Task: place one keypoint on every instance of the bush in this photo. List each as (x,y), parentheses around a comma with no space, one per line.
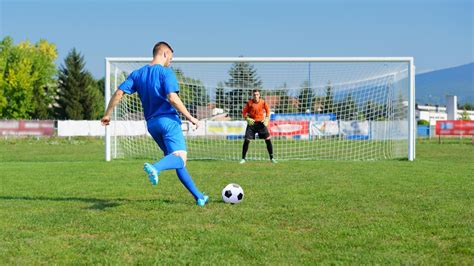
(423,122)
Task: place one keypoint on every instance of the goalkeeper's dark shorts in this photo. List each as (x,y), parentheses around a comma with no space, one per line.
(259,128)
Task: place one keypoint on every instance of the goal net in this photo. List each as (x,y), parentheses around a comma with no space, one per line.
(321,108)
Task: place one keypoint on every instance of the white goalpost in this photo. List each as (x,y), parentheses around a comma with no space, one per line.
(338,108)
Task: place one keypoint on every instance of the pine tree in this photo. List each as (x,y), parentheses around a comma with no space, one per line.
(79,95)
(243,78)
(243,75)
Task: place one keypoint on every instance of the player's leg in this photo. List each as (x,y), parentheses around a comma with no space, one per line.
(245,148)
(175,142)
(160,129)
(188,182)
(249,134)
(156,127)
(149,168)
(268,141)
(265,134)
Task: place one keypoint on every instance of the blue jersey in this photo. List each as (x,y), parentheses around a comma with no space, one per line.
(153,83)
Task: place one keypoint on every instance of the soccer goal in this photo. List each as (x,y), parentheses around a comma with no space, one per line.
(321,108)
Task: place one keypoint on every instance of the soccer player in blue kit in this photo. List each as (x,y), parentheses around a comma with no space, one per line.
(158,90)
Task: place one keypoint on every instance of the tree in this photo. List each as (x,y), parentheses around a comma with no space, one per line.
(79,95)
(423,122)
(318,104)
(305,98)
(101,86)
(465,116)
(328,105)
(347,109)
(374,111)
(192,92)
(27,83)
(220,97)
(243,75)
(45,85)
(6,46)
(235,101)
(287,105)
(243,78)
(466,106)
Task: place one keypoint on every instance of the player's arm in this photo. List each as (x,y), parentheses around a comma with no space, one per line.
(112,103)
(245,111)
(171,89)
(125,87)
(267,114)
(245,114)
(174,99)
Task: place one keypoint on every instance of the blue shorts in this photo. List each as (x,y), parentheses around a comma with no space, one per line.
(166,131)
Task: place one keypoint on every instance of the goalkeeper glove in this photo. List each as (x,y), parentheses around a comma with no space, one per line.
(265,121)
(250,121)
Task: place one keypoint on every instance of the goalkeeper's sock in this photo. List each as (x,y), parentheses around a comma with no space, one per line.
(269,148)
(245,148)
(187,181)
(170,161)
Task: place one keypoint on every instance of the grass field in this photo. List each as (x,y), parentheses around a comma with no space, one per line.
(61,203)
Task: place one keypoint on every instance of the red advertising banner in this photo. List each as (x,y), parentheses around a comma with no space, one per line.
(288,128)
(454,127)
(26,127)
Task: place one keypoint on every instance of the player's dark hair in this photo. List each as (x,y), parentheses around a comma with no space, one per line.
(160,45)
(255,90)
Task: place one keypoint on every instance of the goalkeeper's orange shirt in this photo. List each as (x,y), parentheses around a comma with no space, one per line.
(255,110)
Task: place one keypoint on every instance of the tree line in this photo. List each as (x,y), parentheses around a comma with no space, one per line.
(32,87)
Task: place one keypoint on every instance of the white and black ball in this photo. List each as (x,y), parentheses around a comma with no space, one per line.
(232,193)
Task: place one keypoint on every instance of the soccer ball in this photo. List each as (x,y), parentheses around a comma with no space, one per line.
(232,193)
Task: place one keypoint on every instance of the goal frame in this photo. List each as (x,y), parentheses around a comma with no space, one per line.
(409,60)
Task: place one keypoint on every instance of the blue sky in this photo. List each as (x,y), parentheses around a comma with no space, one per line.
(438,33)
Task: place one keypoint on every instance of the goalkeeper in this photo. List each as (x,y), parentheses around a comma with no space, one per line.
(257,121)
(158,89)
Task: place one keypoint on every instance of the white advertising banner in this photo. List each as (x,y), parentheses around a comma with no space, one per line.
(95,128)
(80,128)
(323,128)
(354,128)
(382,130)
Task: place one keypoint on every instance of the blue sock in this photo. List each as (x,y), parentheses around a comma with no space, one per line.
(169,162)
(187,181)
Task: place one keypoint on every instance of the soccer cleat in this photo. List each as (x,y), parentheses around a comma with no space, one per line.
(242,161)
(152,173)
(203,201)
(274,161)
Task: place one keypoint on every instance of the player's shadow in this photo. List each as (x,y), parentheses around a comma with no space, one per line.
(97,204)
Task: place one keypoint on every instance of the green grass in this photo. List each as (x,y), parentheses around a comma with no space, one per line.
(60,203)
